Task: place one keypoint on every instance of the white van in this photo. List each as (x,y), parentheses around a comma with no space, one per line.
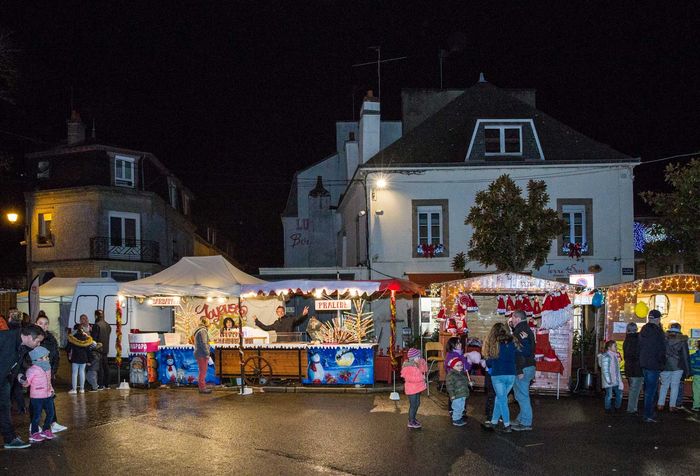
(90,296)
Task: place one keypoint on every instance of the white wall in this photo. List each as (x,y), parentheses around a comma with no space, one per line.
(609,187)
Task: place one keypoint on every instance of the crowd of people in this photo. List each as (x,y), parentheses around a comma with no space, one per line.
(30,358)
(655,361)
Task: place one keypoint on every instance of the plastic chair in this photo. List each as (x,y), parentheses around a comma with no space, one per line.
(438,358)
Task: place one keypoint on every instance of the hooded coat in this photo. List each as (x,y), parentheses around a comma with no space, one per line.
(677,353)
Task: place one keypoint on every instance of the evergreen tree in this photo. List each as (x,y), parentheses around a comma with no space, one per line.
(678,236)
(510,231)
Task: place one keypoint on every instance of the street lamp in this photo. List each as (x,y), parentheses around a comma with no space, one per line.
(13,218)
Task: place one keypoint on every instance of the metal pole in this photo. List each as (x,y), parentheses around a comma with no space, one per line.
(240,345)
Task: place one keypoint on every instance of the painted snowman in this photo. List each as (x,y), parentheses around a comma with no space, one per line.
(170,370)
(316,372)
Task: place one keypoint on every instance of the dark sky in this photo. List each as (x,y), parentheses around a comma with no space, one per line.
(236,96)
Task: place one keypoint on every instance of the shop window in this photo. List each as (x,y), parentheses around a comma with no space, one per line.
(430,227)
(45,234)
(578,216)
(124,171)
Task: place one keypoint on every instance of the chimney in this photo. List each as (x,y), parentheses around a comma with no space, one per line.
(76,129)
(352,155)
(370,123)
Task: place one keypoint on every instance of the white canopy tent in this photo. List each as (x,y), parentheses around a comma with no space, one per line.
(204,276)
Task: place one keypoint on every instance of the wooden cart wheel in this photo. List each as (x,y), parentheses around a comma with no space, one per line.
(258,371)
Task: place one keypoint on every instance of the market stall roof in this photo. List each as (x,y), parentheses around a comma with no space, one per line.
(506,283)
(316,287)
(210,276)
(64,286)
(670,283)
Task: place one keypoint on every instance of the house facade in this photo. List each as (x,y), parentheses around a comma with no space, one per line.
(96,210)
(401,210)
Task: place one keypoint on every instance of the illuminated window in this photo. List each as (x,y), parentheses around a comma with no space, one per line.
(45,236)
(124,171)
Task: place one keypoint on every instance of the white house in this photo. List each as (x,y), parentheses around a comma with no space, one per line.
(387,195)
(420,189)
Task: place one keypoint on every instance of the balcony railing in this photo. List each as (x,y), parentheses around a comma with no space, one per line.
(104,247)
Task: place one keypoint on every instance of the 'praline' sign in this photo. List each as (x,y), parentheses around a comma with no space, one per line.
(330,305)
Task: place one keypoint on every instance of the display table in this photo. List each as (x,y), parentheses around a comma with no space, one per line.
(332,364)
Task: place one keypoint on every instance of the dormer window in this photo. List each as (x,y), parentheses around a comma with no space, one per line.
(123,171)
(503,140)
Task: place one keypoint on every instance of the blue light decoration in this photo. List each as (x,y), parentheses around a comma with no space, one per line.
(645,233)
(639,242)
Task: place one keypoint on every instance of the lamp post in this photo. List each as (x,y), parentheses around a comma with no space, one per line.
(13,217)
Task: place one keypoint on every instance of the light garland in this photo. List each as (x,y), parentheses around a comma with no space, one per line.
(620,295)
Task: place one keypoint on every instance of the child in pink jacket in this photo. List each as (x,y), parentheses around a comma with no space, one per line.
(38,379)
(413,372)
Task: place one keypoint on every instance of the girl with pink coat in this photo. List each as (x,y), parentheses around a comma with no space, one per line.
(38,379)
(413,372)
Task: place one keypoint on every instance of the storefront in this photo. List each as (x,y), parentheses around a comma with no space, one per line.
(677,297)
(485,300)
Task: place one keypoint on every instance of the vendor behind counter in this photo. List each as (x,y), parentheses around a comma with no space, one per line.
(284,323)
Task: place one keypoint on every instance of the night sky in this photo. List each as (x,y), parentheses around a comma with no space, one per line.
(235,98)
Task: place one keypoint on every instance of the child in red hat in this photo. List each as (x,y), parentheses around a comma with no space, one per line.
(458,388)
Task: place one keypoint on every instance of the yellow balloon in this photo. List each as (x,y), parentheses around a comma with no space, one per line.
(641,309)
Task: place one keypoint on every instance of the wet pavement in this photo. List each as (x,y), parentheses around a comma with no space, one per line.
(179,431)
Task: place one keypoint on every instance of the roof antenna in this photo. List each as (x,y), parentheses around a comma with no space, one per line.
(379,62)
(482,79)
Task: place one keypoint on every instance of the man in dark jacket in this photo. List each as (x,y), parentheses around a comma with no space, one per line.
(101,332)
(15,344)
(283,323)
(633,371)
(652,359)
(524,368)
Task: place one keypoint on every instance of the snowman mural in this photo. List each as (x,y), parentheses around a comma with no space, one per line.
(170,369)
(316,372)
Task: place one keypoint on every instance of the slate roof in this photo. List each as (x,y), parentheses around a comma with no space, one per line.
(444,137)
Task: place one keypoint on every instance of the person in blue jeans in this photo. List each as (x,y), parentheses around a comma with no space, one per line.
(652,360)
(524,369)
(499,350)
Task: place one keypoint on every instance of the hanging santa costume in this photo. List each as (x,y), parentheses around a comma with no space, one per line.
(546,359)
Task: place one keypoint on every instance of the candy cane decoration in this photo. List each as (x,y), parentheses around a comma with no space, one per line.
(392,327)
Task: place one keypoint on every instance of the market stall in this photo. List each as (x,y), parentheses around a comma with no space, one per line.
(341,350)
(472,306)
(194,287)
(675,296)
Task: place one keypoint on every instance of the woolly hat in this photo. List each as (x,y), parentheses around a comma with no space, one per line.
(413,353)
(674,327)
(453,361)
(38,353)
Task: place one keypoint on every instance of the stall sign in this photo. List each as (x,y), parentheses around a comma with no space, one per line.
(627,271)
(619,327)
(141,347)
(333,305)
(585,280)
(164,301)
